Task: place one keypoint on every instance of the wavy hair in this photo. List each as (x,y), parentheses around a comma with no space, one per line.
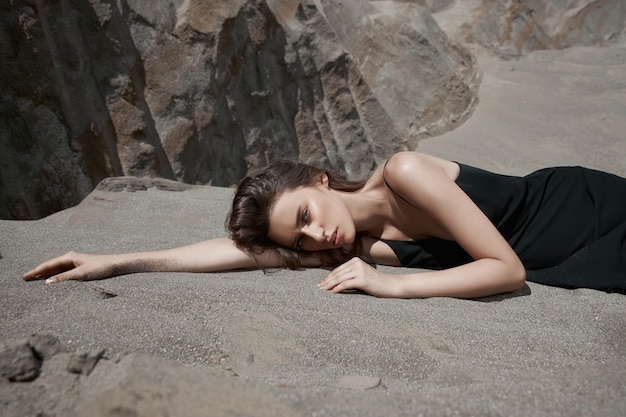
(248,221)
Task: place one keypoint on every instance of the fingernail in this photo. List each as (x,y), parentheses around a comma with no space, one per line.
(50,281)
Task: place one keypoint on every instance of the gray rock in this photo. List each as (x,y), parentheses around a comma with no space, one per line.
(84,362)
(18,362)
(204,93)
(45,345)
(513,28)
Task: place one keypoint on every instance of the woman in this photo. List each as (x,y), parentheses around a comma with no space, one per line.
(481,233)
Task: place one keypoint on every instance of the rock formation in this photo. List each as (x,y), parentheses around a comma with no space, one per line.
(513,28)
(204,92)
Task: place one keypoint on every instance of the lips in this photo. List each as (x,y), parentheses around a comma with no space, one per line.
(334,237)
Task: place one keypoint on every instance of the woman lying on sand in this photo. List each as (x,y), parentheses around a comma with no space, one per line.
(480,233)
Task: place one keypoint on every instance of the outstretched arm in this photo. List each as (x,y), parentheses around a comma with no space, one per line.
(219,254)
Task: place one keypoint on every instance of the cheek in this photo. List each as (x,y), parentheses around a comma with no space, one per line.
(277,233)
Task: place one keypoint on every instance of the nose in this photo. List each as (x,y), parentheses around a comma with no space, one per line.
(314,232)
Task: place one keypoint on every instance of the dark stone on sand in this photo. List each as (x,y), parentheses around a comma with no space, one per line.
(45,345)
(18,362)
(84,362)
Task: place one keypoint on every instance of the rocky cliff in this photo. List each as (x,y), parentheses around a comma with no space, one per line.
(516,27)
(205,91)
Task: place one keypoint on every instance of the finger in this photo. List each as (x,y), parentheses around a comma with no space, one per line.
(65,276)
(349,284)
(50,268)
(342,269)
(343,286)
(323,283)
(30,275)
(335,278)
(41,271)
(326,282)
(33,273)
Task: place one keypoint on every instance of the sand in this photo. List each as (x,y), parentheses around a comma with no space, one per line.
(253,344)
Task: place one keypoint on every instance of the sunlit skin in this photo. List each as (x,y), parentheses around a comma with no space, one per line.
(316,218)
(311,218)
(425,202)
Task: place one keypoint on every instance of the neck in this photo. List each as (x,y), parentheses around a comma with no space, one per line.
(368,207)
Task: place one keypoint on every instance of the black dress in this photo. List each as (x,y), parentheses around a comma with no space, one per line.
(567,225)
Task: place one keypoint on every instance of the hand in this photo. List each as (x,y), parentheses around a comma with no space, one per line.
(75,266)
(357,274)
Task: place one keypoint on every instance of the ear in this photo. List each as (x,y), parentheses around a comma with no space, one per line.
(323,180)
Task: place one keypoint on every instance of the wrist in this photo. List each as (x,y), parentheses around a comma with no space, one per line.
(405,286)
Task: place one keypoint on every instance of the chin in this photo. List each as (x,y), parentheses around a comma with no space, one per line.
(348,241)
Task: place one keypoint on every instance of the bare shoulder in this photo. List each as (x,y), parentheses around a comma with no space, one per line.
(410,163)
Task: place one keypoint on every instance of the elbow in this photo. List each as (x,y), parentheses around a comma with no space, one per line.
(517,277)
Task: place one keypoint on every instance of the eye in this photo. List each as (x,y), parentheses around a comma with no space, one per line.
(305,215)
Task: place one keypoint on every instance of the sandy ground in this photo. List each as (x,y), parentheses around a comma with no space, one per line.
(254,344)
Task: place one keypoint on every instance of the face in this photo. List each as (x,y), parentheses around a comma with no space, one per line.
(311,218)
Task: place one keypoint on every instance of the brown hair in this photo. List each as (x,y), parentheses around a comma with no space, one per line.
(248,220)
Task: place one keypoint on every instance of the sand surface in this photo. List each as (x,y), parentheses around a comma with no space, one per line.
(254,344)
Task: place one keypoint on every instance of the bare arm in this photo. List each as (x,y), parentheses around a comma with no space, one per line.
(208,256)
(495,269)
